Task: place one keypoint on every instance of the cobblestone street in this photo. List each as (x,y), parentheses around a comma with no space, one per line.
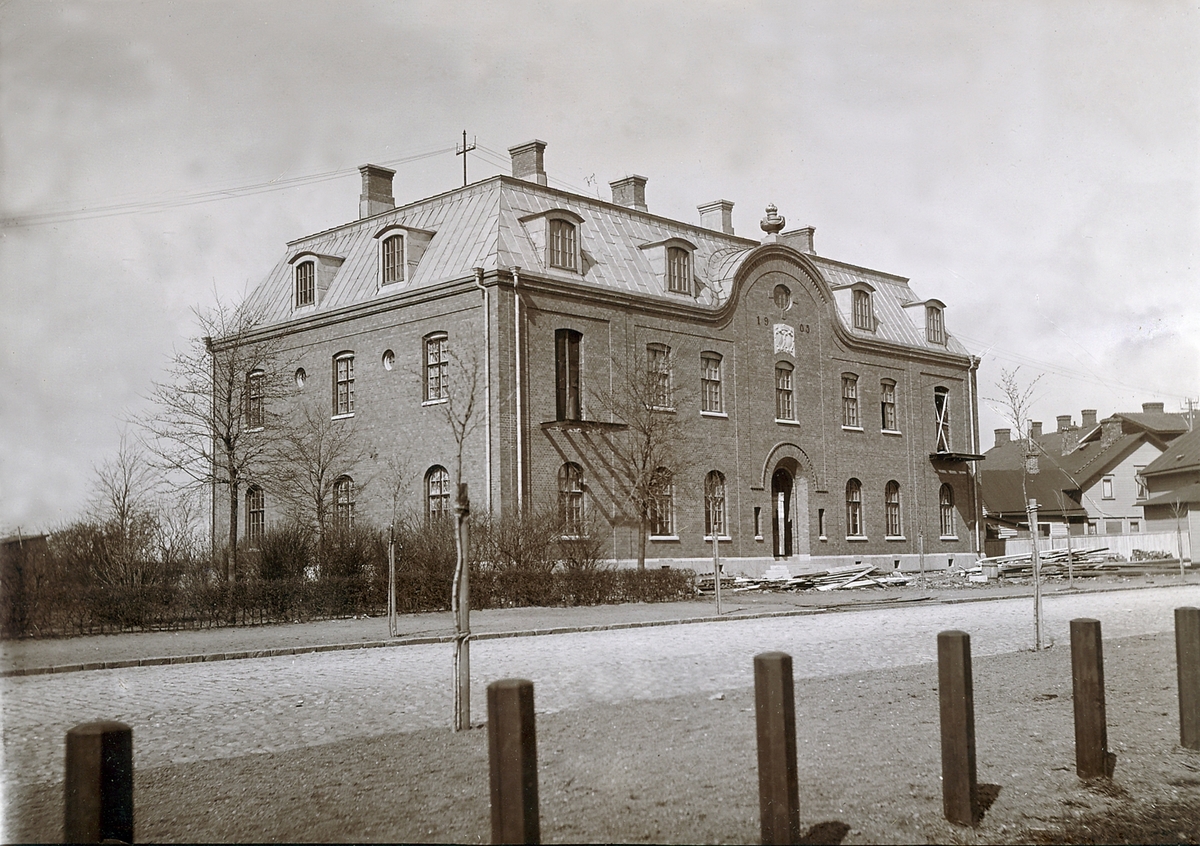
(224,709)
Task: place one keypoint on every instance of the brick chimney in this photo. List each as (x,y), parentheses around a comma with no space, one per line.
(1088,416)
(800,239)
(1003,436)
(630,192)
(1152,408)
(1070,434)
(528,161)
(1064,422)
(376,196)
(1110,432)
(1035,428)
(717,215)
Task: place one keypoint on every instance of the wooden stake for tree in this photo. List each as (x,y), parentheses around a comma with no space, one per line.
(1092,758)
(1032,514)
(462,613)
(956,699)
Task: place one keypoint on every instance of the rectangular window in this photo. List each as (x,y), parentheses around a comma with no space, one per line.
(662,512)
(1142,491)
(714,506)
(255,412)
(820,522)
(1135,526)
(306,289)
(784,406)
(887,406)
(437,368)
(941,408)
(658,364)
(566,369)
(679,270)
(562,244)
(343,394)
(710,383)
(1106,487)
(1112,527)
(255,515)
(850,401)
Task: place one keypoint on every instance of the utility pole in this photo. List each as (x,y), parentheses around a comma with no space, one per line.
(462,151)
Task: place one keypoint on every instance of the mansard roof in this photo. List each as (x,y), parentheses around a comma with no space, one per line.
(491,225)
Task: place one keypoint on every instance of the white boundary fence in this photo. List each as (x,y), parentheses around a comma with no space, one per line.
(1117,544)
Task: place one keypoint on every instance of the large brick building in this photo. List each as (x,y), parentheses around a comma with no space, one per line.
(827,402)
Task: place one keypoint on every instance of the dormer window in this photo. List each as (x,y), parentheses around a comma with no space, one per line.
(392,255)
(864,313)
(935,326)
(306,284)
(564,244)
(679,270)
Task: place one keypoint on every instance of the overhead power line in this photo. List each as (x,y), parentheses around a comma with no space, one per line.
(207,196)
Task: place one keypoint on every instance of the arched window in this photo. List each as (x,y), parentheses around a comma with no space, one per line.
(714,505)
(437,493)
(710,383)
(437,367)
(864,315)
(935,326)
(785,408)
(564,245)
(306,283)
(343,383)
(850,401)
(392,263)
(782,297)
(946,511)
(570,499)
(255,515)
(887,405)
(679,270)
(343,502)
(658,366)
(941,408)
(662,505)
(854,523)
(255,412)
(891,506)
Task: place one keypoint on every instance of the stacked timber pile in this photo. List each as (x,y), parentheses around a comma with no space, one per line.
(1083,562)
(839,578)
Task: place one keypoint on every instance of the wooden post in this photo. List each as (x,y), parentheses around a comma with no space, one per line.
(775,715)
(1092,758)
(391,605)
(99,783)
(512,758)
(1187,659)
(1032,514)
(957,700)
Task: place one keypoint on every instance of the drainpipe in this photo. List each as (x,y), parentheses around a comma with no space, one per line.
(516,274)
(487,386)
(973,390)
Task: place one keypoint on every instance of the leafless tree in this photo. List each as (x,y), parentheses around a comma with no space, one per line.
(305,460)
(216,415)
(124,504)
(655,447)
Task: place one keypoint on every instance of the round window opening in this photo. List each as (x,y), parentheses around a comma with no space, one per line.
(389,360)
(782,297)
(301,377)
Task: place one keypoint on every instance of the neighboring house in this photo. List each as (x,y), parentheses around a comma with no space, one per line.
(1086,479)
(834,415)
(1171,499)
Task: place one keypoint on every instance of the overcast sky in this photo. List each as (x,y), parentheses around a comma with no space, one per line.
(1035,165)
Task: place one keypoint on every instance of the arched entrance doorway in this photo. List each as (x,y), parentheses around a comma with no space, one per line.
(782,484)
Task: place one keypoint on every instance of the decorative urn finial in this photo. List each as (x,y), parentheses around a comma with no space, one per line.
(773,223)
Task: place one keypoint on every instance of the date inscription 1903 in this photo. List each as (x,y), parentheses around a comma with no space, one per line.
(801,328)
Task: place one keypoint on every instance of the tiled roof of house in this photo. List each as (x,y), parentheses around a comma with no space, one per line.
(1186,494)
(1157,422)
(486,225)
(1181,454)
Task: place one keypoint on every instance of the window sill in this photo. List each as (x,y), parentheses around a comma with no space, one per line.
(255,428)
(893,432)
(856,538)
(720,414)
(721,539)
(822,537)
(663,538)
(302,308)
(894,538)
(948,537)
(573,537)
(758,538)
(852,428)
(346,416)
(665,409)
(442,401)
(787,422)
